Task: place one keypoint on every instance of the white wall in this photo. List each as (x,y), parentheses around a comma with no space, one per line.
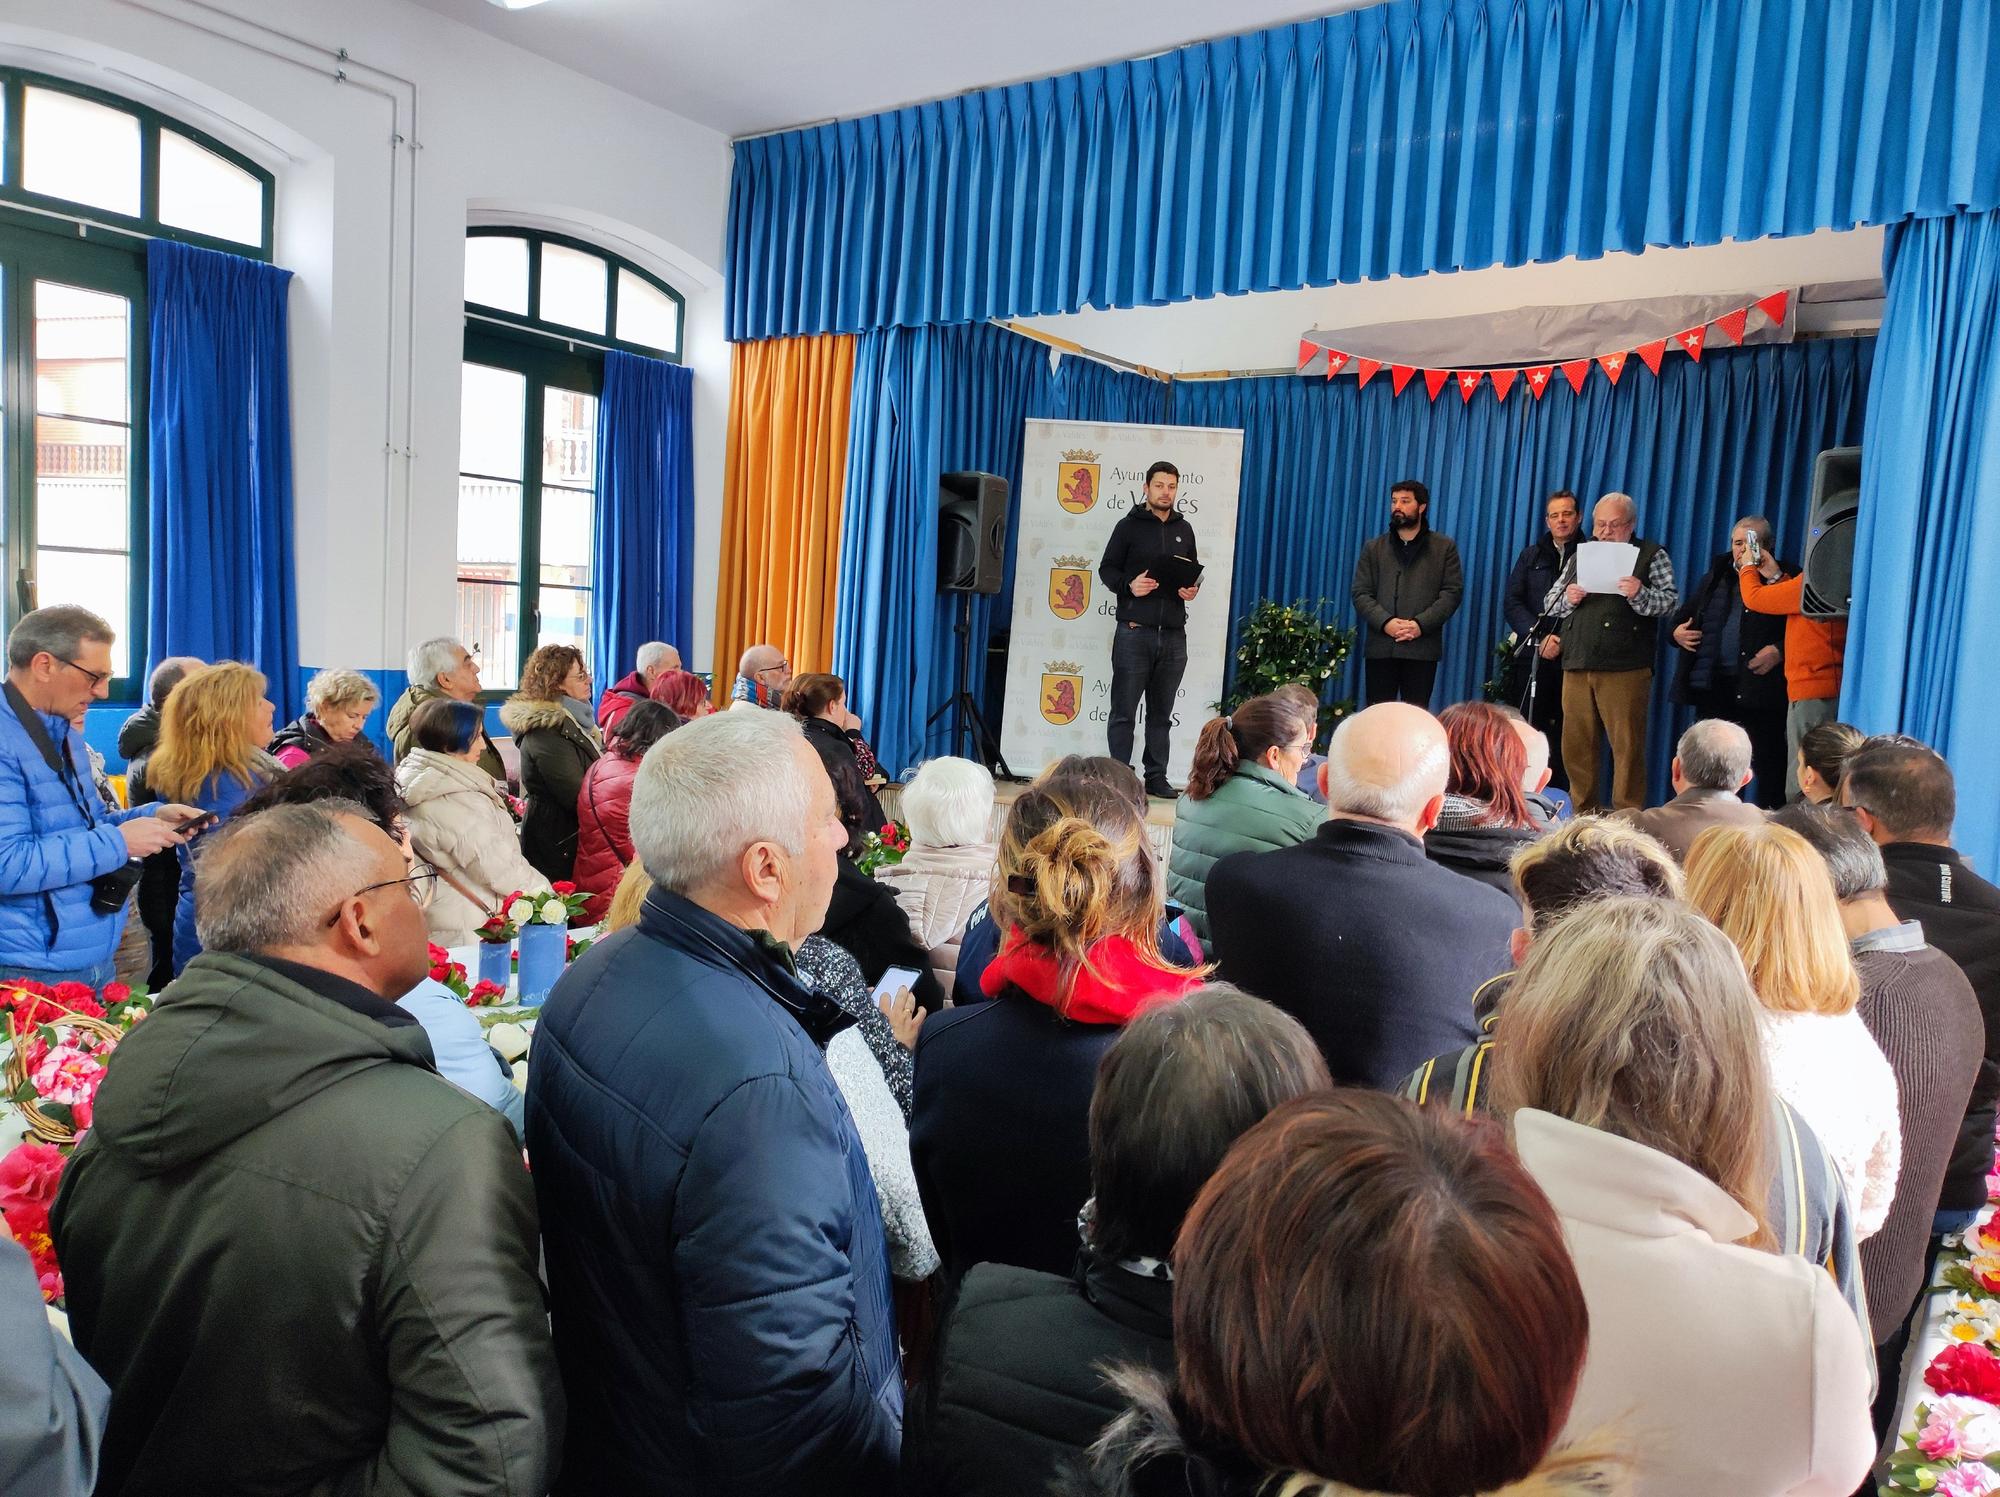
(1261,330)
(375,233)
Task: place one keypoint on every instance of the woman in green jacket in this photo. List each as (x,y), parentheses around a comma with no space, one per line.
(1242,795)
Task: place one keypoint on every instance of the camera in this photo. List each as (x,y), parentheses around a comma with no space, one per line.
(108,891)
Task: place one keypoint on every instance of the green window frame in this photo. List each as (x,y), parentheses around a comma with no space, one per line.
(532,321)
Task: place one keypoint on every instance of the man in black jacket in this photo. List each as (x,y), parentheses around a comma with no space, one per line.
(1407,582)
(1373,947)
(1729,662)
(1149,652)
(1534,573)
(1905,797)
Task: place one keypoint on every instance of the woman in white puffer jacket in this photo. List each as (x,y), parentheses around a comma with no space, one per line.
(949,867)
(459,821)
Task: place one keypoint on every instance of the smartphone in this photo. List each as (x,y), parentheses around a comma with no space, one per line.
(894,978)
(193,826)
(1753,550)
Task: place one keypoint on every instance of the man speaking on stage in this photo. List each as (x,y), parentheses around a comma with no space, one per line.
(1151,567)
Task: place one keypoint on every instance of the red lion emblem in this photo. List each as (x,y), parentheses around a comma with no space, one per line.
(1071,597)
(1078,494)
(1061,701)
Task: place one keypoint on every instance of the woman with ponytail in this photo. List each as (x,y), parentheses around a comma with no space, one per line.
(1242,795)
(999,1129)
(1370,1300)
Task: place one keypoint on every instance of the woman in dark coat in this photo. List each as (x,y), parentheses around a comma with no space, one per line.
(819,701)
(556,753)
(1486,819)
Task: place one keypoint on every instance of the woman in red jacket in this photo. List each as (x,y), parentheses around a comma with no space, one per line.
(603,845)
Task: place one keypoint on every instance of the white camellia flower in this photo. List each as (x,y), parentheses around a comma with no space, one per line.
(520,912)
(553,913)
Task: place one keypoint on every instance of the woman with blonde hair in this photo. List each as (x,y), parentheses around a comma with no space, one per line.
(1001,1122)
(211,755)
(337,707)
(556,752)
(1767,890)
(1631,1066)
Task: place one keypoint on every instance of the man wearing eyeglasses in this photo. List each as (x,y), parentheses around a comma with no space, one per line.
(761,677)
(66,863)
(284,1221)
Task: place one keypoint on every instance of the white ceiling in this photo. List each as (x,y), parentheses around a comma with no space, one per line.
(745,66)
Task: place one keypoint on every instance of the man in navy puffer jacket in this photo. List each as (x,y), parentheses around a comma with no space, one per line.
(55,835)
(718,1274)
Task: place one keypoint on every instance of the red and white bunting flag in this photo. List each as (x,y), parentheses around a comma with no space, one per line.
(1576,371)
(1538,378)
(1691,339)
(1307,348)
(1399,376)
(1435,380)
(1733,323)
(1503,381)
(1468,381)
(1652,353)
(1364,371)
(1613,365)
(1335,362)
(1773,307)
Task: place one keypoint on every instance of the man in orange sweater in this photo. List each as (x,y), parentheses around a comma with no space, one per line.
(1814,648)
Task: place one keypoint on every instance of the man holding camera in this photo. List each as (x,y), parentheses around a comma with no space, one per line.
(66,864)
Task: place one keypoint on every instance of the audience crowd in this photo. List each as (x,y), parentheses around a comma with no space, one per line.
(1394,1132)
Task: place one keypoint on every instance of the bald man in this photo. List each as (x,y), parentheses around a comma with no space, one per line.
(761,677)
(1372,947)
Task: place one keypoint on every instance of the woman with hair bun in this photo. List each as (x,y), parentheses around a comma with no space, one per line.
(999,1130)
(1242,795)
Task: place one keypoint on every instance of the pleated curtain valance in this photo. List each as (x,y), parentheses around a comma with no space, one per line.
(1407,137)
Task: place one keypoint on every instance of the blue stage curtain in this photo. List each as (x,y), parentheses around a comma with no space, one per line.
(219,485)
(883,611)
(642,546)
(1390,139)
(1927,547)
(1698,447)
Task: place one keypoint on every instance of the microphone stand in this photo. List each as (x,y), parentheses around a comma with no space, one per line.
(1536,632)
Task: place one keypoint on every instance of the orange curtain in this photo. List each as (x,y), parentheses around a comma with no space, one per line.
(784,482)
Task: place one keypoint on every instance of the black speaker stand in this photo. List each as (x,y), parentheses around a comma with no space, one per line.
(968,726)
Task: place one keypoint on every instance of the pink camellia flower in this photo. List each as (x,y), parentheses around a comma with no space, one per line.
(1975,1479)
(68,1073)
(1960,1428)
(30,1174)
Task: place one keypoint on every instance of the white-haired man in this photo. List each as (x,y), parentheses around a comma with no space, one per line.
(1712,764)
(716,1257)
(1370,944)
(654,659)
(1609,643)
(439,668)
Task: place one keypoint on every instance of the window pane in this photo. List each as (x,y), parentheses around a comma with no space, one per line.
(81,343)
(574,289)
(566,618)
(566,536)
(492,406)
(199,190)
(569,438)
(496,272)
(86,152)
(83,496)
(647,314)
(489,528)
(97,580)
(489,621)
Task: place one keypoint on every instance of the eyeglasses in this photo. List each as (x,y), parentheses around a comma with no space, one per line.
(97,678)
(782,665)
(420,886)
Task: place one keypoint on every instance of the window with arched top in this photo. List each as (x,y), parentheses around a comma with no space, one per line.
(541,310)
(86,178)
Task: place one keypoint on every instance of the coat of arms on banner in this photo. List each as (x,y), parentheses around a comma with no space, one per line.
(1062,692)
(1069,587)
(1076,480)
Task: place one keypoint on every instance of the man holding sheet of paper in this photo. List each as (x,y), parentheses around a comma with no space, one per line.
(1609,603)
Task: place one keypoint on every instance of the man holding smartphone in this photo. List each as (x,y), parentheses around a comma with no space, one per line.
(1149,651)
(66,863)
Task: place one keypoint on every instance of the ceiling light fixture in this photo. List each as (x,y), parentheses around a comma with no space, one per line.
(514,4)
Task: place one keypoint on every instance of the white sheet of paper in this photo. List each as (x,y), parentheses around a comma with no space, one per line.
(1602,565)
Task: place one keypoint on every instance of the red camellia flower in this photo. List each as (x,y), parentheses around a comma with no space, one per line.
(563,886)
(1965,1368)
(116,992)
(440,972)
(29,1176)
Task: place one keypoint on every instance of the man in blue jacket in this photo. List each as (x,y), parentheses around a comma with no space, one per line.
(718,1274)
(66,864)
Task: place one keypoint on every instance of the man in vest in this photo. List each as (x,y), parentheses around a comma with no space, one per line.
(1609,642)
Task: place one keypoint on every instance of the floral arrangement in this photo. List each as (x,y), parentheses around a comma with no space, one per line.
(57,1041)
(454,977)
(559,905)
(1284,644)
(884,848)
